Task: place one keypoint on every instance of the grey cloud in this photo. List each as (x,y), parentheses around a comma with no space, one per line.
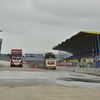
(69,8)
(38,25)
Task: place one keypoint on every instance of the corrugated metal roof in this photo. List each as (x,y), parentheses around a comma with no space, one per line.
(79,42)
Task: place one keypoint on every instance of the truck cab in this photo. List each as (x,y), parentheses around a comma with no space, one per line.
(16,58)
(49,61)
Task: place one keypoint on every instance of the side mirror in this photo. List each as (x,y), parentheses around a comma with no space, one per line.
(10,56)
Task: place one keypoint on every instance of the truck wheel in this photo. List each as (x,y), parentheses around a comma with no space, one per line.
(43,66)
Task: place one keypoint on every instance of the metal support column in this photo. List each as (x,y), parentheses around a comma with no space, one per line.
(98,43)
(95,46)
(83,48)
(87,48)
(90,48)
(80,50)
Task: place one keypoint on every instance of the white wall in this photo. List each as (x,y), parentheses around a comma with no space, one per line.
(4,63)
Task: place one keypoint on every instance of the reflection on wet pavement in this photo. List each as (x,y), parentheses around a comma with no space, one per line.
(48,78)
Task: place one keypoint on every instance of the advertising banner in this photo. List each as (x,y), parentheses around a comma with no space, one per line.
(34,55)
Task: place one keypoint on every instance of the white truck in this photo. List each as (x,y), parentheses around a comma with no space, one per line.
(49,61)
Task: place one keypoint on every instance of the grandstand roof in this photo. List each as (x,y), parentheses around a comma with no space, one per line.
(79,42)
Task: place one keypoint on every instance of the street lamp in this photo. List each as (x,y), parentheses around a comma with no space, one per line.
(0,42)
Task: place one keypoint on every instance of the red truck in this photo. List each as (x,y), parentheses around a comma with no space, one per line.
(16,58)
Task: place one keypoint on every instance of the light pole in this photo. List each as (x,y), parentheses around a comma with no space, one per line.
(0,42)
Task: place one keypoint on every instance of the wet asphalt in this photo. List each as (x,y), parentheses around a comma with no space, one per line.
(15,77)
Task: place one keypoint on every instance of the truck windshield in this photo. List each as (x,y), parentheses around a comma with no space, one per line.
(49,56)
(17,56)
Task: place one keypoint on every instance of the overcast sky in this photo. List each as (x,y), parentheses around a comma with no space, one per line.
(38,25)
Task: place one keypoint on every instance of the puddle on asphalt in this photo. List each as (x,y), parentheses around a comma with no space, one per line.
(80,80)
(76,75)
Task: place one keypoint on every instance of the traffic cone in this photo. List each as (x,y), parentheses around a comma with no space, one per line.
(66,66)
(35,67)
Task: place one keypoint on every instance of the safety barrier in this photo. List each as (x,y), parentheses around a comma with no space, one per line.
(86,60)
(95,71)
(4,60)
